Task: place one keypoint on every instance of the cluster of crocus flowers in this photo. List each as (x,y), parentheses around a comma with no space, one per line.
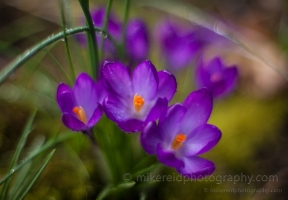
(218,78)
(136,36)
(138,102)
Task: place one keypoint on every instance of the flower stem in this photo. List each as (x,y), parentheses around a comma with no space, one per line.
(107,13)
(91,136)
(125,19)
(92,42)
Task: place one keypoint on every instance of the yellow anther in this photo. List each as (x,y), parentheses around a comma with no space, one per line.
(178,141)
(138,102)
(79,111)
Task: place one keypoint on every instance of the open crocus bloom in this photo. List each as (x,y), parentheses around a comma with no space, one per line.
(81,105)
(182,134)
(134,101)
(219,79)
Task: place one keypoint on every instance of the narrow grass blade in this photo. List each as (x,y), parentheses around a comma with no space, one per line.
(58,64)
(148,169)
(32,51)
(64,25)
(46,146)
(104,192)
(27,169)
(109,188)
(36,176)
(17,153)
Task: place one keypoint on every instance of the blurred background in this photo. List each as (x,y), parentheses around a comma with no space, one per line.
(253,119)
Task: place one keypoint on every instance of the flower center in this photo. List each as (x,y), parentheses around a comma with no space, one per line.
(178,141)
(216,77)
(138,102)
(79,111)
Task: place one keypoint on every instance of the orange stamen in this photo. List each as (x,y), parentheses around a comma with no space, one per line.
(178,141)
(79,111)
(138,102)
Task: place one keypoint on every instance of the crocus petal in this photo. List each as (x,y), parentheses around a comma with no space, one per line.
(145,80)
(95,117)
(85,93)
(201,140)
(199,107)
(65,98)
(116,79)
(168,158)
(226,84)
(231,76)
(150,138)
(137,44)
(132,125)
(215,65)
(217,88)
(195,167)
(169,123)
(73,123)
(101,91)
(155,112)
(116,109)
(183,51)
(167,85)
(98,16)
(202,75)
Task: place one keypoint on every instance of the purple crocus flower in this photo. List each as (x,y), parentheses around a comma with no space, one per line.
(179,47)
(135,100)
(81,106)
(218,78)
(182,133)
(137,44)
